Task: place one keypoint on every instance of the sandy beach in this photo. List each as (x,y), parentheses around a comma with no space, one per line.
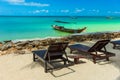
(22,67)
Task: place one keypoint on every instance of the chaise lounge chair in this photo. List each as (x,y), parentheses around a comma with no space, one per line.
(54,53)
(116,44)
(95,51)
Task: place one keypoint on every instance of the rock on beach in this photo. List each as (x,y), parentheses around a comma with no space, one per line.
(22,47)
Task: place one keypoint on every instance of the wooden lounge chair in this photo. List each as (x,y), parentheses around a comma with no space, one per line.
(116,44)
(54,53)
(96,50)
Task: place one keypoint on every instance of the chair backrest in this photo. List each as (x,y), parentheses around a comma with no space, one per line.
(98,45)
(56,50)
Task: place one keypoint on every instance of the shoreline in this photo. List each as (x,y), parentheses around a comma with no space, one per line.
(24,46)
(18,40)
(95,36)
(76,34)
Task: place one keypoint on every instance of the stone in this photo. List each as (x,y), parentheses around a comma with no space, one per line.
(22,43)
(19,52)
(19,47)
(6,46)
(35,43)
(8,41)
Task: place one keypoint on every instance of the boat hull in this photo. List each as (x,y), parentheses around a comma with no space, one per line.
(62,29)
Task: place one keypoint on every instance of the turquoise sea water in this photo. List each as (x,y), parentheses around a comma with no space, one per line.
(18,28)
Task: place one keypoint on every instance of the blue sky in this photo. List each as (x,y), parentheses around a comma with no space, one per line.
(60,7)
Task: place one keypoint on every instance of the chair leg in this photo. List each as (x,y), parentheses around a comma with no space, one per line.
(66,59)
(64,62)
(45,67)
(114,46)
(107,58)
(71,51)
(33,57)
(94,59)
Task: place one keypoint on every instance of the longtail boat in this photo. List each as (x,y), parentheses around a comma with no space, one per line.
(63,29)
(61,21)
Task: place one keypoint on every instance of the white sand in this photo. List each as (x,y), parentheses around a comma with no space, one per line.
(22,67)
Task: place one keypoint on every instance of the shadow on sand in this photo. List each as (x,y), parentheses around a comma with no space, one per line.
(60,69)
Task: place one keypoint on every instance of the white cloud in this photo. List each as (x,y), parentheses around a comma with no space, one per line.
(14,1)
(114,12)
(40,11)
(94,10)
(36,11)
(65,11)
(32,4)
(22,2)
(79,10)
